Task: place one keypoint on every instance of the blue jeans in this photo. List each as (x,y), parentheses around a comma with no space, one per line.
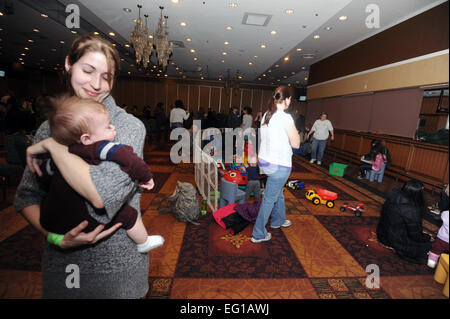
(176,125)
(318,148)
(272,204)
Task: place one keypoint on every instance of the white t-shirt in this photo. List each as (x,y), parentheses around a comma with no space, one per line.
(321,129)
(275,147)
(247,120)
(177,115)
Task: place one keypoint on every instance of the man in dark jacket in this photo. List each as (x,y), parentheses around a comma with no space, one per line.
(233,119)
(400,226)
(162,126)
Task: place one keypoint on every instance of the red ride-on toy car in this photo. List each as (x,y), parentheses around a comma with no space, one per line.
(356,208)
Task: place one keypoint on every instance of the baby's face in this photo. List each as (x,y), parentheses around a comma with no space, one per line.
(101,128)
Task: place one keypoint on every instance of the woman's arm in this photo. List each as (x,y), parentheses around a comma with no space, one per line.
(74,169)
(294,137)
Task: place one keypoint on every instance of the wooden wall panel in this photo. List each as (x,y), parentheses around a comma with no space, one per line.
(150,97)
(246,98)
(193,98)
(428,162)
(266,99)
(139,95)
(171,94)
(225,105)
(183,94)
(215,99)
(257,99)
(235,97)
(204,97)
(352,145)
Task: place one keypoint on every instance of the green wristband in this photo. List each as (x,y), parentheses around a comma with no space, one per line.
(55,239)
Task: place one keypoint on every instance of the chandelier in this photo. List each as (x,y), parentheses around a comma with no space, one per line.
(142,43)
(162,43)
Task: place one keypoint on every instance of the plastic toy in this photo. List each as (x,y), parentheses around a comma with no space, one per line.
(356,208)
(236,177)
(296,184)
(322,196)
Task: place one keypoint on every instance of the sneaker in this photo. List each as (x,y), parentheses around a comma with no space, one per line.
(257,241)
(319,162)
(432,259)
(312,160)
(359,177)
(286,223)
(152,242)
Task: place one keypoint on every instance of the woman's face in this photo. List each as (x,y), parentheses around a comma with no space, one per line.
(323,117)
(89,76)
(287,102)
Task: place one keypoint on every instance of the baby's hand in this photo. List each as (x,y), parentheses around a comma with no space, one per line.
(149,185)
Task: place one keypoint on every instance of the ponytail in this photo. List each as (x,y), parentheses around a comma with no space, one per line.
(281,93)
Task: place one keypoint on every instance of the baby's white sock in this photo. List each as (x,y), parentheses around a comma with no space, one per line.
(152,242)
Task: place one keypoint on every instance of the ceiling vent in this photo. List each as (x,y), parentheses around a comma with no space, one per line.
(256,19)
(178,44)
(309,56)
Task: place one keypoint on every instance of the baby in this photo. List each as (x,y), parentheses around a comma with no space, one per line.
(440,245)
(84,125)
(253,184)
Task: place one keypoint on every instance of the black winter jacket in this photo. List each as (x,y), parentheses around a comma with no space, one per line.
(400,227)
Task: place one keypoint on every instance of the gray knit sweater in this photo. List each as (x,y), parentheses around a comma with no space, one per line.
(112,268)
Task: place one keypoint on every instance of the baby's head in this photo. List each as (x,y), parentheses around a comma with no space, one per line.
(253,160)
(77,120)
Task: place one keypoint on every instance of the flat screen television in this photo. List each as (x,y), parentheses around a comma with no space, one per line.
(302,98)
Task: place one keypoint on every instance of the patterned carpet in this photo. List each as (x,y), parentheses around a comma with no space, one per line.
(323,255)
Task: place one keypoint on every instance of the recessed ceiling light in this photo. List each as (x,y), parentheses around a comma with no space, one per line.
(250,63)
(286,58)
(273,32)
(1,14)
(233,5)
(35,30)
(96,33)
(306,79)
(284,76)
(343,18)
(316,36)
(299,49)
(297,82)
(26,48)
(328,28)
(255,56)
(292,72)
(113,44)
(54,50)
(188,39)
(278,80)
(127,45)
(229,28)
(112,34)
(289,11)
(183,24)
(269,71)
(263,46)
(264,75)
(224,53)
(20,59)
(62,42)
(276,65)
(73,31)
(22,54)
(192,50)
(195,59)
(223,61)
(44,15)
(226,43)
(165,75)
(175,1)
(303,67)
(127,10)
(202,78)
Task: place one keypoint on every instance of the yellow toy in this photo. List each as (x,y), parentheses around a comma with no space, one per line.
(322,196)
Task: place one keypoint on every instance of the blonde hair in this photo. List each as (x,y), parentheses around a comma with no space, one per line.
(94,43)
(71,117)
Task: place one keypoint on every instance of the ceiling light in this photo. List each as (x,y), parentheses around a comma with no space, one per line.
(224,53)
(343,18)
(255,56)
(175,1)
(223,61)
(202,78)
(44,15)
(263,46)
(192,50)
(20,59)
(195,59)
(1,14)
(96,33)
(54,50)
(289,11)
(328,28)
(188,39)
(127,45)
(286,58)
(127,10)
(273,32)
(229,28)
(233,5)
(306,79)
(284,76)
(62,42)
(26,48)
(226,43)
(316,36)
(183,24)
(112,34)
(303,67)
(22,54)
(298,49)
(250,63)
(73,31)
(292,73)
(269,71)
(276,65)
(113,44)
(35,30)
(264,75)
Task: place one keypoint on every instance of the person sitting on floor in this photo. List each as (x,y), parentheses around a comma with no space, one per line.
(253,183)
(374,160)
(440,245)
(400,224)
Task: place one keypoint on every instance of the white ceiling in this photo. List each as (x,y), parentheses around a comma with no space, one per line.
(206,22)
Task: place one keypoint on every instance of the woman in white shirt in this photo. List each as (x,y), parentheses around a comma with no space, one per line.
(278,137)
(321,129)
(247,119)
(178,115)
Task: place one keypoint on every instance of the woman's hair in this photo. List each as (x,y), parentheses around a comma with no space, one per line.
(323,113)
(375,149)
(280,94)
(414,191)
(70,117)
(248,110)
(179,104)
(94,43)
